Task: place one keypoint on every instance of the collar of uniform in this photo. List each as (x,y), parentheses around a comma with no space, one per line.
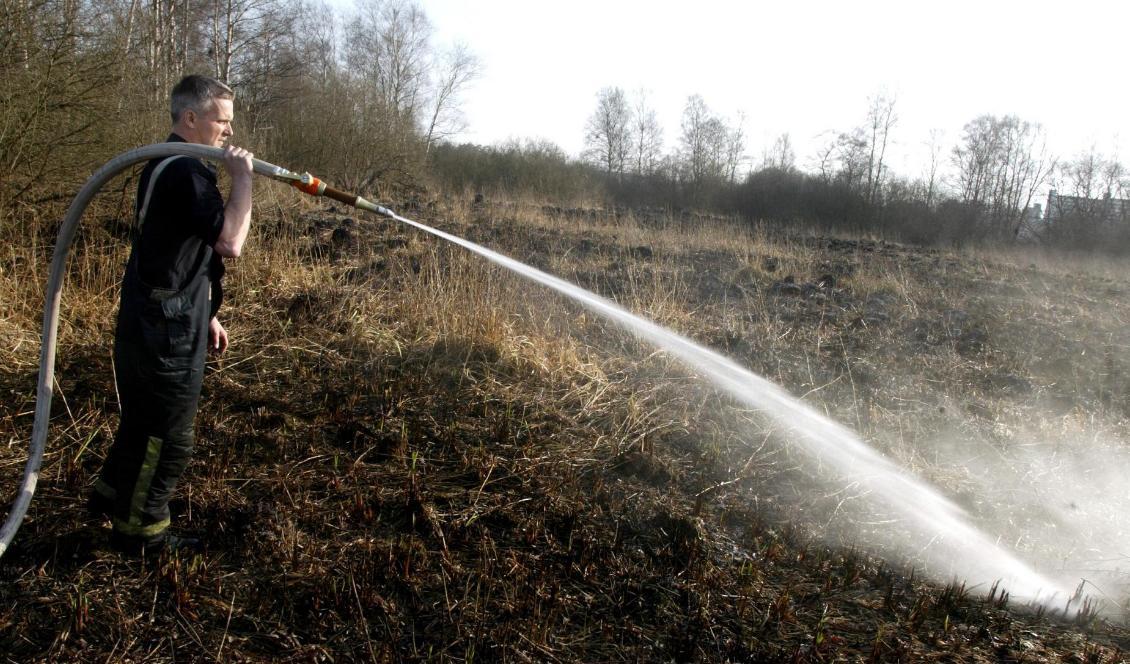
(176,138)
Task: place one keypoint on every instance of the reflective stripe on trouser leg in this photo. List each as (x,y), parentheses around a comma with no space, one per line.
(153,446)
(133,524)
(175,454)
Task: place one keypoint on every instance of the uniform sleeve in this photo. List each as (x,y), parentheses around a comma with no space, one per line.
(206,205)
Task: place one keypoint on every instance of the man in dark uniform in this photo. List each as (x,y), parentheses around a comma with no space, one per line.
(167,316)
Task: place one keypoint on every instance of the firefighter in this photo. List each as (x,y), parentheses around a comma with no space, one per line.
(167,321)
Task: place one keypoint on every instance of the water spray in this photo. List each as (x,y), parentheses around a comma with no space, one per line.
(919,504)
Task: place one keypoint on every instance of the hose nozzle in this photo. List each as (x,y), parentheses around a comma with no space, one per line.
(309,184)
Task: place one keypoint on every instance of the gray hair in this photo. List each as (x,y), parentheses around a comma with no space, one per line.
(197,93)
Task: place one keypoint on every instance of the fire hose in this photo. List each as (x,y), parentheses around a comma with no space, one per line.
(304,182)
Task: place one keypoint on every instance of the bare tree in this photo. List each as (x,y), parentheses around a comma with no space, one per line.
(171,29)
(232,25)
(608,131)
(316,43)
(710,151)
(735,148)
(825,161)
(459,67)
(976,158)
(847,159)
(1090,174)
(647,136)
(855,158)
(934,145)
(1001,162)
(881,119)
(702,142)
(389,52)
(388,58)
(780,155)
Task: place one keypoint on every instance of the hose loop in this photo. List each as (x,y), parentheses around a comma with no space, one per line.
(54,295)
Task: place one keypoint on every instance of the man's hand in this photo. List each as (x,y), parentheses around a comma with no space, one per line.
(237,161)
(217,337)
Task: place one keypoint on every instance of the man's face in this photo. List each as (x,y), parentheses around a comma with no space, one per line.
(213,126)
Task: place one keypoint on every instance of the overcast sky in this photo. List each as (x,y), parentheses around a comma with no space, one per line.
(805,67)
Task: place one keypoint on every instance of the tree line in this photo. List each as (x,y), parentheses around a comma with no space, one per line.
(992,191)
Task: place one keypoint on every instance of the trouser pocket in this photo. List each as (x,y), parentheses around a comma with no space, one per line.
(180,332)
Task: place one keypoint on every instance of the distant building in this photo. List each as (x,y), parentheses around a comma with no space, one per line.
(1100,212)
(1079,221)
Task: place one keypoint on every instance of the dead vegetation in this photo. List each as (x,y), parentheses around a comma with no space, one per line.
(409,454)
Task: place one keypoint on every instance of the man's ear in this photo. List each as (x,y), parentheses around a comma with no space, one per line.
(190,118)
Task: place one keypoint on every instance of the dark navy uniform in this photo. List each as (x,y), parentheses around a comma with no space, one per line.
(170,292)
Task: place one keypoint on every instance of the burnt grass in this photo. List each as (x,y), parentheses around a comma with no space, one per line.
(448,502)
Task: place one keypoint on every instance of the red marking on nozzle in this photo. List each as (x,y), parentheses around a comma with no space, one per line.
(313,187)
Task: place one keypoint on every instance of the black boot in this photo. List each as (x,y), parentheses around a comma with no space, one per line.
(99,506)
(152,546)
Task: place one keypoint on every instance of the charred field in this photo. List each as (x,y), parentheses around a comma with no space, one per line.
(411,455)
